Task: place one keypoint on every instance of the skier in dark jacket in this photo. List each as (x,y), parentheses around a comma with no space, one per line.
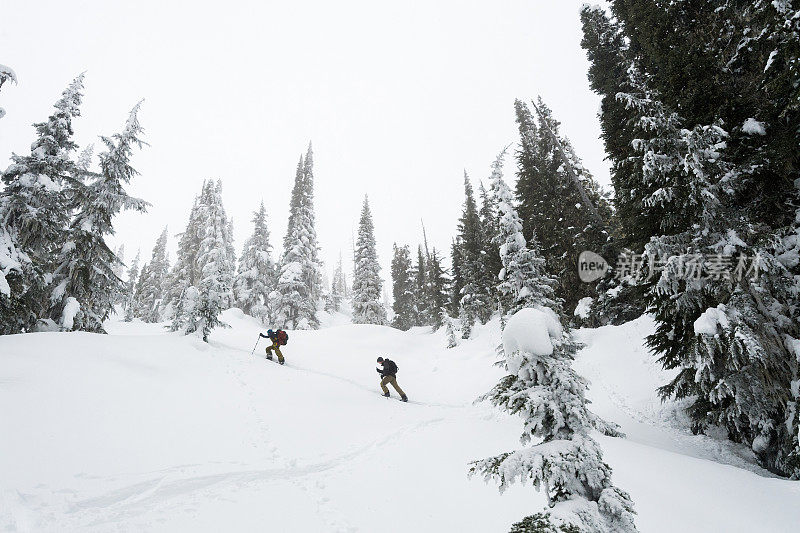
(276,342)
(388,374)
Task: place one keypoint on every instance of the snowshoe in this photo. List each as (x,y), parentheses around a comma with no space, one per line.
(386,395)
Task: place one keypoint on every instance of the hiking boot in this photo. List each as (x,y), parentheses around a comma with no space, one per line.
(269,357)
(404,399)
(385,395)
(281,362)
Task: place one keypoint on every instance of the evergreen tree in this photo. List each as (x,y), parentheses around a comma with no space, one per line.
(457,284)
(543,389)
(313,267)
(402,288)
(475,302)
(120,253)
(139,291)
(84,281)
(185,272)
(367,307)
(300,280)
(710,174)
(216,267)
(256,277)
(421,303)
(552,206)
(128,292)
(338,288)
(205,256)
(34,213)
(436,289)
(522,279)
(150,297)
(490,251)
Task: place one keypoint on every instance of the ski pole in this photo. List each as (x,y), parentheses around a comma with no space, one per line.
(256,344)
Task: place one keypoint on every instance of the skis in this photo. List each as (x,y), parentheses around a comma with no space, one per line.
(396,398)
(271,360)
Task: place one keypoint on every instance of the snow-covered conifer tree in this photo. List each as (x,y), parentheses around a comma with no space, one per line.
(475,303)
(703,163)
(402,288)
(299,285)
(313,267)
(84,281)
(437,288)
(34,214)
(255,279)
(119,271)
(522,279)
(367,306)
(543,389)
(128,291)
(185,272)
(550,203)
(6,74)
(490,251)
(338,288)
(139,291)
(150,301)
(420,272)
(450,329)
(216,266)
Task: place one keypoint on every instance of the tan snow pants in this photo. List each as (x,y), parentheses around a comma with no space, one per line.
(393,381)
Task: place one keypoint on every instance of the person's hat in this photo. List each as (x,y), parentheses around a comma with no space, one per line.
(380,359)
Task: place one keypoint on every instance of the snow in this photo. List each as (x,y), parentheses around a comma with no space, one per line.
(532,331)
(584,307)
(7,73)
(753,127)
(146,430)
(707,322)
(71,308)
(770,59)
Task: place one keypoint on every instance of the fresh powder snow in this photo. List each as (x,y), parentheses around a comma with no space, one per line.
(147,430)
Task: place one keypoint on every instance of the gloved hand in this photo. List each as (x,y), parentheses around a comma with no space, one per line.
(262,335)
(379,371)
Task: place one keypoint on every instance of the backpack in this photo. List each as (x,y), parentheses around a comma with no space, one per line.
(282,337)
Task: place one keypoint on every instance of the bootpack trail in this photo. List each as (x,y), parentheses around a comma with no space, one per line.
(145,430)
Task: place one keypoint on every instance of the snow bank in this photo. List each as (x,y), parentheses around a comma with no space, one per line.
(707,323)
(532,330)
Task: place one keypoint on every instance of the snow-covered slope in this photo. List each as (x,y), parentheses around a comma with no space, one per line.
(146,430)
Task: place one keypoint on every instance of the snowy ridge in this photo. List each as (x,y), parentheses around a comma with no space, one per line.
(148,430)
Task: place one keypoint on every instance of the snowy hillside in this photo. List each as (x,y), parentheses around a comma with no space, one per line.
(147,430)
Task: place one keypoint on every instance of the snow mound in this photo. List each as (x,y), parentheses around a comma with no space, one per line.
(584,307)
(753,127)
(71,309)
(532,330)
(706,324)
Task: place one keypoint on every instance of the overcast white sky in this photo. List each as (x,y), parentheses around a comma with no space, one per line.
(398,98)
